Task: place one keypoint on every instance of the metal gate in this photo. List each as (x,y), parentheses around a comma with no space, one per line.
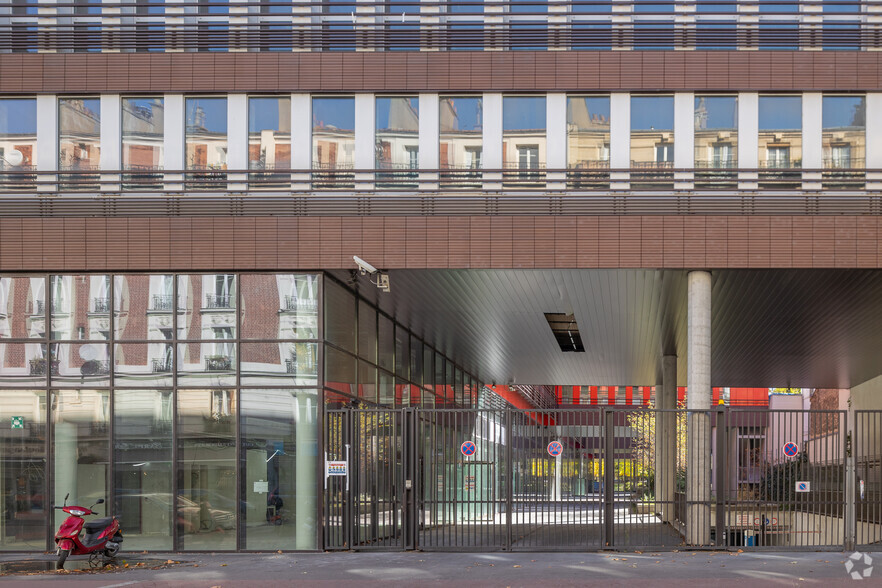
(595,478)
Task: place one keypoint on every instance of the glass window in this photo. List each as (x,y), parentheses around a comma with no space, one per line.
(588,132)
(279,306)
(207,306)
(333,133)
(461,136)
(80,307)
(23,469)
(339,316)
(269,132)
(143,477)
(367,332)
(206,492)
(208,362)
(652,131)
(279,460)
(367,382)
(80,447)
(523,136)
(25,364)
(716,131)
(142,133)
(780,131)
(23,307)
(340,371)
(402,352)
(143,364)
(279,364)
(206,139)
(79,139)
(844,131)
(142,307)
(397,138)
(386,343)
(18,140)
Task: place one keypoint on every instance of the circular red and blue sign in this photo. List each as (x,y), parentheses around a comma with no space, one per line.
(468,448)
(790,449)
(555,448)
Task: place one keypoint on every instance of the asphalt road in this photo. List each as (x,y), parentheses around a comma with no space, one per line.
(662,569)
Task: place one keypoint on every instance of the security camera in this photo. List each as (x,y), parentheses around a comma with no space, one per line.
(363,266)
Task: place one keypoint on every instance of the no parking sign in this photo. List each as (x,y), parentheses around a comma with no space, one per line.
(555,448)
(790,449)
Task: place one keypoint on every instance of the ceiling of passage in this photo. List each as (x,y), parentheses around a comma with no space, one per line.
(801,328)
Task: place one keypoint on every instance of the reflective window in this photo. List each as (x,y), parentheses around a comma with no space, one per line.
(18,141)
(397,139)
(25,364)
(340,371)
(367,332)
(339,316)
(269,132)
(80,307)
(523,137)
(279,461)
(80,447)
(79,140)
(142,307)
(143,364)
(461,136)
(279,306)
(716,131)
(207,306)
(652,131)
(279,364)
(780,131)
(206,491)
(844,131)
(143,476)
(206,140)
(143,122)
(333,133)
(23,475)
(22,307)
(587,136)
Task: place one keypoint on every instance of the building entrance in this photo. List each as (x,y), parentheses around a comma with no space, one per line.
(589,479)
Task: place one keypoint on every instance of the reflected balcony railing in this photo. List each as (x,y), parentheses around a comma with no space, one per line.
(142,177)
(101,304)
(717,174)
(780,173)
(396,176)
(80,176)
(164,302)
(844,173)
(206,177)
(37,367)
(39,307)
(658,175)
(331,176)
(218,301)
(300,304)
(588,175)
(515,175)
(162,366)
(18,177)
(463,176)
(263,176)
(218,363)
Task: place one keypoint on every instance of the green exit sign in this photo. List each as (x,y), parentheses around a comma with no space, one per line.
(18,422)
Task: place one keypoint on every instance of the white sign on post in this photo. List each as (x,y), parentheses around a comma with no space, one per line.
(336,468)
(803,486)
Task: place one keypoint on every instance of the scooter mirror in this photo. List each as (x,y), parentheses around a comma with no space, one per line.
(100,501)
(66,496)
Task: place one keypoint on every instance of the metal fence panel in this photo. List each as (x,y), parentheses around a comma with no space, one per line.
(867,447)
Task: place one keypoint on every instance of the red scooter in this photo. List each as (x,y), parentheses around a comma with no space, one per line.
(102,535)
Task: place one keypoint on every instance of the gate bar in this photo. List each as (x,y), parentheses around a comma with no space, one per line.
(609,485)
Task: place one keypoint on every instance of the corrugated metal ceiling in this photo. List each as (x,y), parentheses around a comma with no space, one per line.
(808,328)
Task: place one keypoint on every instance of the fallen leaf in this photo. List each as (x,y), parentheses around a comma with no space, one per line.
(515,566)
(223,565)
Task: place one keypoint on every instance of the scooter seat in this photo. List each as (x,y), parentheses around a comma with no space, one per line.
(97,524)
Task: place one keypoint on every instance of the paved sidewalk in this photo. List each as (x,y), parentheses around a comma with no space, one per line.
(662,569)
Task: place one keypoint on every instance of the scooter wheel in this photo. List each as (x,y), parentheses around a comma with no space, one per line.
(111,552)
(62,557)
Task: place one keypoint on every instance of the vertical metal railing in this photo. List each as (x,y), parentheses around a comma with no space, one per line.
(867,447)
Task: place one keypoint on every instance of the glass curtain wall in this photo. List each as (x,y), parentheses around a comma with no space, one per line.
(588,141)
(523,140)
(206,142)
(780,140)
(397,141)
(652,141)
(716,140)
(269,138)
(18,142)
(143,124)
(181,470)
(461,135)
(79,141)
(333,141)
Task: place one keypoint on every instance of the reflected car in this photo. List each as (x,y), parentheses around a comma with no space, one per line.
(192,517)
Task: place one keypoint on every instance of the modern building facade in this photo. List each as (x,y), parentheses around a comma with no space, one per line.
(185,184)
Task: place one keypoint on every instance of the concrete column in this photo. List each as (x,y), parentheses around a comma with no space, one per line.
(429,141)
(812,139)
(492,140)
(556,140)
(666,440)
(684,138)
(301,139)
(619,138)
(365,149)
(748,139)
(306,410)
(111,141)
(46,157)
(237,140)
(698,399)
(174,125)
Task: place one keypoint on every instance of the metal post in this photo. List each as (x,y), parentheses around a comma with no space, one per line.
(850,522)
(608,478)
(509,478)
(721,483)
(350,467)
(408,510)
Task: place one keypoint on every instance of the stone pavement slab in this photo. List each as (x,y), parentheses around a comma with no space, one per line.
(384,569)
